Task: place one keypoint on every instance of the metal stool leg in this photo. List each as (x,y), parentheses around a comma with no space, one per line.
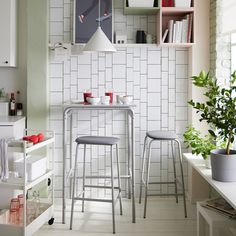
(83,177)
(118,175)
(112,194)
(142,171)
(73,189)
(173,156)
(147,179)
(182,176)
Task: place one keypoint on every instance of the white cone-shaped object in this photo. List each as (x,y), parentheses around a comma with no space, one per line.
(99,43)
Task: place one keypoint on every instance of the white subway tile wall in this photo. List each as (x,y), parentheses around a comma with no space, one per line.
(156,77)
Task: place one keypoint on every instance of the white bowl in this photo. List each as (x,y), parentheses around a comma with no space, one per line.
(126,99)
(93,100)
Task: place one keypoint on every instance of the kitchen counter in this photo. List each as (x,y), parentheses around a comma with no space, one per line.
(10,120)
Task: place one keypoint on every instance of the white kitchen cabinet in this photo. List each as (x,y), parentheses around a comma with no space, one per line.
(12,126)
(8,29)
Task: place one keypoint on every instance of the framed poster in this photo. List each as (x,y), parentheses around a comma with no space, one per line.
(86,19)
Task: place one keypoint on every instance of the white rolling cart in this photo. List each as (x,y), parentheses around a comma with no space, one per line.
(36,211)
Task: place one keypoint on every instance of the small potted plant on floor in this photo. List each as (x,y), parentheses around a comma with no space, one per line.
(219,111)
(200,145)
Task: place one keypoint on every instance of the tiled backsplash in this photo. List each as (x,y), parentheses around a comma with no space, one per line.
(156,77)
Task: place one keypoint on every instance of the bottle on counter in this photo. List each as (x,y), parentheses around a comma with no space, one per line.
(19,105)
(12,105)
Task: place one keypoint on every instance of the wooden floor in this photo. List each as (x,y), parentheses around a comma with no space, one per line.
(164,218)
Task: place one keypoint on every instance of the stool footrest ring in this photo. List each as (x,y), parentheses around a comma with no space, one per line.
(164,194)
(103,177)
(93,199)
(97,186)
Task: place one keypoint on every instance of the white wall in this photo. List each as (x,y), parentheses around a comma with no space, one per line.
(14,79)
(200,56)
(157,77)
(229,16)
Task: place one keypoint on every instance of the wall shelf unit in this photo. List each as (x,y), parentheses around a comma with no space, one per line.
(176,10)
(136,45)
(185,17)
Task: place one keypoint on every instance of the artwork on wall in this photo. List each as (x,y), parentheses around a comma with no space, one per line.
(87,19)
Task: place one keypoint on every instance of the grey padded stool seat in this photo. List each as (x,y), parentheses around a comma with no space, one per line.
(161,136)
(97,140)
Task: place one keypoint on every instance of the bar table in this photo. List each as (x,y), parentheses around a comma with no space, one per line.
(68,110)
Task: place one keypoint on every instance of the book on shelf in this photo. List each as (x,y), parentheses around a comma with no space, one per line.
(220,205)
(165,35)
(170,29)
(190,24)
(180,31)
(174,34)
(185,31)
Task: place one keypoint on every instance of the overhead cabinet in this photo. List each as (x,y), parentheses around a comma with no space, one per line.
(8,29)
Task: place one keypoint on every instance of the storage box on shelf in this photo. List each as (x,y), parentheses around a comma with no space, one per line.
(182,3)
(36,211)
(140,7)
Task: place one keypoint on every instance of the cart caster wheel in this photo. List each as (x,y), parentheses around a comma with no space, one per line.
(51,221)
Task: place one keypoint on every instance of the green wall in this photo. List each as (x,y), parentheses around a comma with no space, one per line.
(37,64)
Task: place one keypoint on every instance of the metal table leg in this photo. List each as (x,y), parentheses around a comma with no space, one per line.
(129,155)
(133,165)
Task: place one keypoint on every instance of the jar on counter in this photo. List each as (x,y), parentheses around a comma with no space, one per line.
(19,109)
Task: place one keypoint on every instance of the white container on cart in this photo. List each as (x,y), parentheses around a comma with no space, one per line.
(36,166)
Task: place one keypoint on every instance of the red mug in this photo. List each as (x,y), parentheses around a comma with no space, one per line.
(87,94)
(110,94)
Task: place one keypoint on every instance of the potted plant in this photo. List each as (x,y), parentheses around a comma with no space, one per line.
(2,95)
(200,145)
(219,111)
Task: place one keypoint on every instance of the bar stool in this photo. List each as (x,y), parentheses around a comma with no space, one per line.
(161,136)
(103,141)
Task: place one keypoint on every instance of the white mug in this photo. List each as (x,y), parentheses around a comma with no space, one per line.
(149,38)
(118,101)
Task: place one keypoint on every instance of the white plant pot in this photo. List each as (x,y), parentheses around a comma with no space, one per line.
(223,166)
(183,3)
(141,3)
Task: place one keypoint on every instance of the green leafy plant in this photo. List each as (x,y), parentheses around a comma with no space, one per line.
(198,143)
(2,93)
(219,111)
